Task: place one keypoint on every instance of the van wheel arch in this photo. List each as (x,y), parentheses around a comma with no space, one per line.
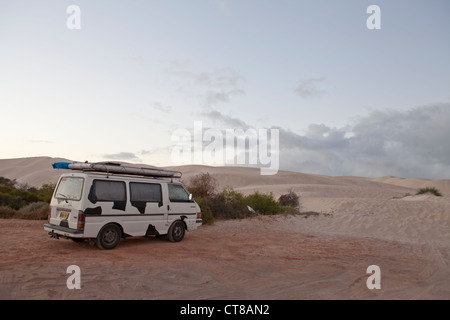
(109,236)
(177,231)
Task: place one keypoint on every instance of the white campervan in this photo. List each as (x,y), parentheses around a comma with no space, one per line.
(106,202)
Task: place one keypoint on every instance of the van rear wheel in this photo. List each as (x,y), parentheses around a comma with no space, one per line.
(176,231)
(109,237)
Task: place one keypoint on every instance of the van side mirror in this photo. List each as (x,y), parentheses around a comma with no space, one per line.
(190,196)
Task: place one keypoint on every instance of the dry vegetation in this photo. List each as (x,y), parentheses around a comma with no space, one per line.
(231,204)
(20,201)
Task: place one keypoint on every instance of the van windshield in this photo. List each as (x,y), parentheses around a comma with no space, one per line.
(69,188)
(177,193)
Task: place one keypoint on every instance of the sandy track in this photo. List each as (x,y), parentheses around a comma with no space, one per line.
(257,258)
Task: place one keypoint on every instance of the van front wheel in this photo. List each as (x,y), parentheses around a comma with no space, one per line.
(176,231)
(109,237)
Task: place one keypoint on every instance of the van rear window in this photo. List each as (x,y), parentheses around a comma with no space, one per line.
(69,188)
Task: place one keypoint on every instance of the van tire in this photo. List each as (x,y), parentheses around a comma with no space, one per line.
(109,237)
(176,231)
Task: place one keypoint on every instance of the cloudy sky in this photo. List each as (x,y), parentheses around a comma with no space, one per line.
(346,99)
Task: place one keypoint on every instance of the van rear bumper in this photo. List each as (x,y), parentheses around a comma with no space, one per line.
(63,231)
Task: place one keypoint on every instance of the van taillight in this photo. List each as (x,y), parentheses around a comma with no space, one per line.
(80,224)
(49,214)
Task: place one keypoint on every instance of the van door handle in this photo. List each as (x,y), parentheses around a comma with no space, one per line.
(168,207)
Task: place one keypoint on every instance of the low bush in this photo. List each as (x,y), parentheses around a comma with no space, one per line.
(7,212)
(33,211)
(207,214)
(8,182)
(265,203)
(290,199)
(45,192)
(431,190)
(202,185)
(18,196)
(232,204)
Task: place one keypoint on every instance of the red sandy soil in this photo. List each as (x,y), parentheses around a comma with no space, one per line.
(255,258)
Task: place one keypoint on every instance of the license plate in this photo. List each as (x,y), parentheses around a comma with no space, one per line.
(63,215)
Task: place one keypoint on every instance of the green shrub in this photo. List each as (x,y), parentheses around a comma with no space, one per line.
(207,214)
(230,204)
(33,211)
(7,212)
(15,198)
(8,182)
(431,190)
(264,203)
(202,185)
(6,199)
(289,199)
(45,192)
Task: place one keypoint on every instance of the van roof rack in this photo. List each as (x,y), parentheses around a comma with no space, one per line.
(113,167)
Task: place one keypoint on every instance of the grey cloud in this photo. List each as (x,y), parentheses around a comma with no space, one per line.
(309,87)
(225,77)
(410,143)
(317,130)
(221,77)
(152,151)
(406,144)
(214,97)
(228,121)
(210,87)
(158,106)
(126,156)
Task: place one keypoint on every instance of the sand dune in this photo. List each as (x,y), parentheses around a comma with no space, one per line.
(34,171)
(361,221)
(37,170)
(416,183)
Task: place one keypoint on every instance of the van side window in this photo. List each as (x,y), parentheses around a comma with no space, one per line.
(111,191)
(141,193)
(177,193)
(148,192)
